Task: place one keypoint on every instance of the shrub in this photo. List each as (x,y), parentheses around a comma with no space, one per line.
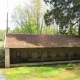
(2,55)
(71,65)
(1,39)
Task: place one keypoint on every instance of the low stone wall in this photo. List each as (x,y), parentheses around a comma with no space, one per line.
(44,63)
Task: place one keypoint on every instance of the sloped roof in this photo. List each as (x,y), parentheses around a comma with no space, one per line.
(40,41)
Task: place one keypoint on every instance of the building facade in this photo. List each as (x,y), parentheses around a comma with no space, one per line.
(24,48)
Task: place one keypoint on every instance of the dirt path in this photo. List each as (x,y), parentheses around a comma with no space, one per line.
(2,76)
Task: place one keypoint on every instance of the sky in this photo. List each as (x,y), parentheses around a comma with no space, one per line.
(4,9)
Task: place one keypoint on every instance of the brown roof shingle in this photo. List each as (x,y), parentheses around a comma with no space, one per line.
(40,41)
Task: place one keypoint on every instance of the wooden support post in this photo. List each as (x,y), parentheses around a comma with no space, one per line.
(69,56)
(42,59)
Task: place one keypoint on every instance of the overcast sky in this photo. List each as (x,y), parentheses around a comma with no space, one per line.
(3,11)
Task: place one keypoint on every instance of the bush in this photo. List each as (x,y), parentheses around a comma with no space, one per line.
(1,39)
(71,65)
(2,55)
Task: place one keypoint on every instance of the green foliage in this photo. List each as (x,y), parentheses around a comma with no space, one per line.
(73,74)
(71,65)
(48,72)
(41,72)
(24,24)
(16,30)
(2,55)
(65,12)
(68,32)
(2,35)
(1,39)
(1,42)
(28,18)
(64,32)
(48,30)
(74,32)
(28,27)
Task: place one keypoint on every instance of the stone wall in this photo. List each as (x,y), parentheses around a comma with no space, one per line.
(48,54)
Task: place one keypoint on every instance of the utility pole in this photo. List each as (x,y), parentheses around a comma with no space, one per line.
(7,19)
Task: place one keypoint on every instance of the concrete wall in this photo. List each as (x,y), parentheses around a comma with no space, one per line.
(56,54)
(7,57)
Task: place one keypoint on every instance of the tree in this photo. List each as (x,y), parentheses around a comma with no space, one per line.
(38,9)
(24,21)
(2,34)
(65,12)
(28,17)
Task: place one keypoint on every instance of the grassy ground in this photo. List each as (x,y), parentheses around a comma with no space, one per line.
(40,72)
(52,72)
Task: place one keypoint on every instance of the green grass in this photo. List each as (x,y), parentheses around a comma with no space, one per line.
(52,72)
(1,42)
(40,72)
